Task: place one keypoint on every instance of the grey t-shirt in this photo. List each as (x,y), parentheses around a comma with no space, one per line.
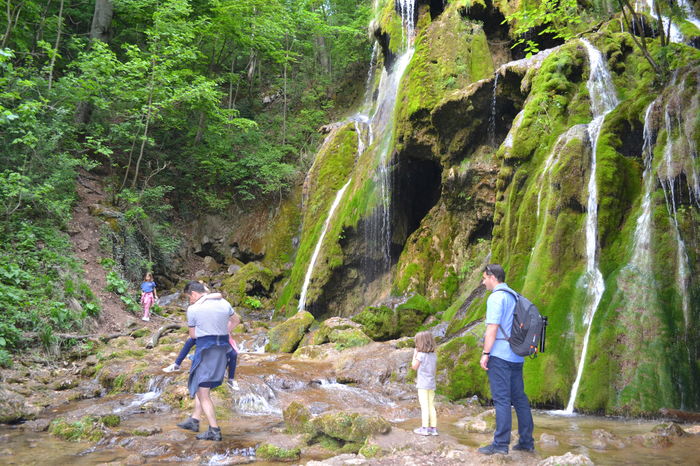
(209,315)
(425,378)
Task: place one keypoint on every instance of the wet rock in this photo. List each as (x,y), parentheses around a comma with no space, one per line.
(604,440)
(134,459)
(375,363)
(316,352)
(569,459)
(548,440)
(147,431)
(170,299)
(210,264)
(37,425)
(348,338)
(669,429)
(66,384)
(268,451)
(341,460)
(653,440)
(694,430)
(350,427)
(14,407)
(483,423)
(296,416)
(233,268)
(286,336)
(321,335)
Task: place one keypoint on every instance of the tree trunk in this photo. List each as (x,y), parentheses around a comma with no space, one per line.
(10,22)
(101,27)
(58,41)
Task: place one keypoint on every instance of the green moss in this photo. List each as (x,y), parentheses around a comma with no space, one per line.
(267,451)
(349,427)
(331,170)
(296,416)
(249,278)
(86,429)
(348,338)
(285,337)
(369,451)
(111,420)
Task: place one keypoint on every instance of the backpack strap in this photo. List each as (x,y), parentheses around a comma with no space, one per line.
(500,327)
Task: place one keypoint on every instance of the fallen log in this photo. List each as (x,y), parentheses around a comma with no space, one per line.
(161,331)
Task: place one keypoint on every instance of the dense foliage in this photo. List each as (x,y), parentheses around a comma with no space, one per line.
(178,102)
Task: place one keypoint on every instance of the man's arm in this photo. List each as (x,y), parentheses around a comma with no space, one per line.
(233,321)
(489,339)
(192,332)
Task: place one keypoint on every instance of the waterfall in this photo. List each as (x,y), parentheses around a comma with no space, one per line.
(675,34)
(641,259)
(492,119)
(603,100)
(317,249)
(668,186)
(690,15)
(378,230)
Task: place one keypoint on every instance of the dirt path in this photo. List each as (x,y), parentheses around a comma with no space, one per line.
(85,236)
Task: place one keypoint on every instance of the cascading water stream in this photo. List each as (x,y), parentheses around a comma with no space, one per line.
(378,235)
(641,259)
(603,101)
(492,119)
(674,33)
(668,186)
(317,249)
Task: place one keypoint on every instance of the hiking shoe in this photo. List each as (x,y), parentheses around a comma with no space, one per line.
(233,385)
(172,368)
(214,433)
(422,431)
(519,447)
(491,449)
(433,431)
(190,424)
(146,319)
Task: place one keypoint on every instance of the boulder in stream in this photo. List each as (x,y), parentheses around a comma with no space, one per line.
(569,459)
(349,427)
(286,336)
(14,408)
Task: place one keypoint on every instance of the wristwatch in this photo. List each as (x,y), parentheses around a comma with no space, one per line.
(484,353)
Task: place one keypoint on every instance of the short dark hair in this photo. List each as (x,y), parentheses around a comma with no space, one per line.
(497,271)
(194,286)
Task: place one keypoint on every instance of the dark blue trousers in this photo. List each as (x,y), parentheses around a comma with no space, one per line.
(507,388)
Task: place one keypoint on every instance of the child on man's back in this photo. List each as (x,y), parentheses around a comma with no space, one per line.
(425,363)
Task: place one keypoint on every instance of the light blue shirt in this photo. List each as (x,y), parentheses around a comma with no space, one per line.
(499,310)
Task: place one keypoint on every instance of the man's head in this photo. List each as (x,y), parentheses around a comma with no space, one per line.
(492,276)
(194,291)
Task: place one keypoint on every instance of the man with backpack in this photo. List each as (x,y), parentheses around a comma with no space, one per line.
(505,367)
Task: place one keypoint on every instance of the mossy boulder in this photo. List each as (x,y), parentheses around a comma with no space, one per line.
(349,427)
(316,352)
(296,416)
(87,428)
(285,337)
(252,280)
(270,452)
(384,323)
(321,335)
(348,338)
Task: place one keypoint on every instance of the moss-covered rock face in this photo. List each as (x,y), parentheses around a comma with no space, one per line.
(328,326)
(349,427)
(496,167)
(252,281)
(285,337)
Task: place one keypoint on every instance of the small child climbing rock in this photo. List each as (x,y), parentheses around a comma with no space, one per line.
(148,295)
(425,363)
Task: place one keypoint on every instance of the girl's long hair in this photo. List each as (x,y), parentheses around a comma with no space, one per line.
(148,277)
(425,343)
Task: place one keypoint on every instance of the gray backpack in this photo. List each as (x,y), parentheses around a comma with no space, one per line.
(527,334)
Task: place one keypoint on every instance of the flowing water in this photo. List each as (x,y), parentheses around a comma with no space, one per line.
(674,33)
(317,249)
(603,100)
(492,119)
